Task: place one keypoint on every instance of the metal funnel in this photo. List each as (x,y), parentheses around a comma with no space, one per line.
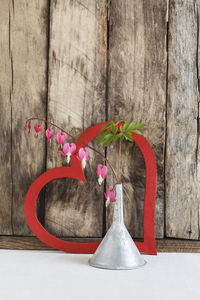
(117,251)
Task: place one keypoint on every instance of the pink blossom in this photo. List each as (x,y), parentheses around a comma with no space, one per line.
(68,150)
(111,194)
(61,137)
(101,173)
(83,156)
(37,128)
(49,134)
(29,127)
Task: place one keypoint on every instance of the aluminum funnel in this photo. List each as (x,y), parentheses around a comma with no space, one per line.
(117,251)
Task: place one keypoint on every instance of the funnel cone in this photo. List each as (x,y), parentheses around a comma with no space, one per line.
(117,250)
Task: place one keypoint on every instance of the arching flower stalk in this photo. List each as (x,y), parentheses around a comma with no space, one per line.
(74,139)
(111,131)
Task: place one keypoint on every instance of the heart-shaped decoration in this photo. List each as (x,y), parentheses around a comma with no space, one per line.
(75,171)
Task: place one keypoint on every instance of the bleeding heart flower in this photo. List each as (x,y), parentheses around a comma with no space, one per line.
(49,134)
(61,137)
(68,150)
(101,173)
(37,128)
(111,194)
(29,127)
(83,156)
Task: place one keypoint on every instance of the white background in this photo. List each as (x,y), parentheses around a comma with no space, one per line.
(52,275)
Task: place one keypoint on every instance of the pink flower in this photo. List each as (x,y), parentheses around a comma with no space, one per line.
(49,134)
(68,150)
(83,155)
(61,137)
(29,127)
(101,173)
(37,128)
(111,194)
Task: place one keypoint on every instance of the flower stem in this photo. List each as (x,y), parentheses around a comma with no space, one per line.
(119,158)
(76,141)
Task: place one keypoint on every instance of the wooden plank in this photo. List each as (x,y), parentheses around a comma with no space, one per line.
(5,122)
(137,92)
(172,245)
(32,243)
(182,153)
(77,74)
(28,53)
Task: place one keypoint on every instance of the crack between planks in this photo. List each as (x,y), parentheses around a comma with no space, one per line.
(11,109)
(10,52)
(198,85)
(167,12)
(190,229)
(166,107)
(13,5)
(106,103)
(198,222)
(42,207)
(196,11)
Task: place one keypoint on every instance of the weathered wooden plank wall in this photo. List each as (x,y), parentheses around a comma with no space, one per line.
(76,99)
(137,89)
(5,132)
(23,85)
(78,63)
(182,148)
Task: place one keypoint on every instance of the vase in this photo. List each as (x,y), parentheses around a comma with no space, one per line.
(117,250)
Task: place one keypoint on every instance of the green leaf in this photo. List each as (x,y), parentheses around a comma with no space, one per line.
(121,136)
(128,136)
(108,140)
(134,125)
(116,137)
(114,128)
(102,135)
(125,126)
(103,138)
(103,132)
(108,124)
(137,131)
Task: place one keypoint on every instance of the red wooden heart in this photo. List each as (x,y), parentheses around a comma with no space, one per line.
(75,171)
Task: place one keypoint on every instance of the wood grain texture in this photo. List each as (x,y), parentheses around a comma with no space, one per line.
(28,53)
(137,92)
(182,151)
(77,74)
(146,58)
(5,121)
(32,243)
(184,246)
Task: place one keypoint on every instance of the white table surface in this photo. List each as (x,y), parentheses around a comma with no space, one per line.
(52,275)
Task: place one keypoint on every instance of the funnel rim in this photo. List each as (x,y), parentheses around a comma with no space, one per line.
(111,267)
